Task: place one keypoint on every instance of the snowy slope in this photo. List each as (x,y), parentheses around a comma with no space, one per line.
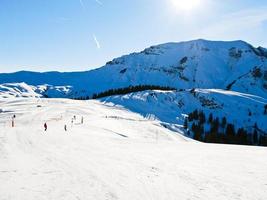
(171,108)
(116,154)
(9,90)
(17,90)
(206,64)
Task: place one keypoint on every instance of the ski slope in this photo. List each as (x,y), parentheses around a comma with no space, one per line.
(115,154)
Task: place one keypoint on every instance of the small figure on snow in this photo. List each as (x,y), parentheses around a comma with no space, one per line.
(82,120)
(13,123)
(65,127)
(45,126)
(13,120)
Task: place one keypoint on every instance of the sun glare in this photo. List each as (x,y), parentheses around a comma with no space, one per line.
(185,5)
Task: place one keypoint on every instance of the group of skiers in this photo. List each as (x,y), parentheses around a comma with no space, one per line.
(65,125)
(45,124)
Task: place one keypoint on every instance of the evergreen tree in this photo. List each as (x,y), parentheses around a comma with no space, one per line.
(255,137)
(186,123)
(263,140)
(190,117)
(230,133)
(210,118)
(224,122)
(202,117)
(195,114)
(215,126)
(198,130)
(241,137)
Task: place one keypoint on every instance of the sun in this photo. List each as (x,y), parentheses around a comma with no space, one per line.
(186,5)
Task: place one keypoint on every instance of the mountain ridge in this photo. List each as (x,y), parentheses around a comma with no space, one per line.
(228,79)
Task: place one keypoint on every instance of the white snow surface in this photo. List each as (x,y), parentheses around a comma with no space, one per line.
(116,154)
(171,107)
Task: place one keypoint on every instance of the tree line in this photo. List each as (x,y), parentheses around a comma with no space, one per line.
(125,90)
(220,131)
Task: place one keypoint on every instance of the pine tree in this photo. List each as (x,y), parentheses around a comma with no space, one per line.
(202,117)
(241,137)
(186,123)
(255,137)
(195,114)
(230,133)
(210,118)
(224,122)
(198,131)
(263,140)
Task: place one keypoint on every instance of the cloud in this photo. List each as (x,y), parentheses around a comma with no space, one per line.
(61,20)
(96,42)
(246,23)
(99,2)
(82,4)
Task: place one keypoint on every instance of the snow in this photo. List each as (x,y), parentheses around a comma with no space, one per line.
(122,150)
(116,154)
(243,110)
(17,90)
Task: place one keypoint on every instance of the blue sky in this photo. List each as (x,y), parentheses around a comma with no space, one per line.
(75,35)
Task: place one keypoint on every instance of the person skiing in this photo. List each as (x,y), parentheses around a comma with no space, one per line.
(65,127)
(82,120)
(13,122)
(45,126)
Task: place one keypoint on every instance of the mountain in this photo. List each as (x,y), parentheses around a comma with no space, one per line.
(224,81)
(234,65)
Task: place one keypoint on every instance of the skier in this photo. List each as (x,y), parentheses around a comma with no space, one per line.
(65,127)
(13,120)
(45,126)
(13,123)
(71,122)
(82,120)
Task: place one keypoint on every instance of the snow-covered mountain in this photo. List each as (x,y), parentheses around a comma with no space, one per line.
(206,64)
(226,79)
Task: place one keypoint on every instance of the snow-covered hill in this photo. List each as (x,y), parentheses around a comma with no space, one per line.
(171,108)
(11,90)
(115,154)
(195,64)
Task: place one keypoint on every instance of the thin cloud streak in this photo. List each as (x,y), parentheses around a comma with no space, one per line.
(82,4)
(99,2)
(96,42)
(237,23)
